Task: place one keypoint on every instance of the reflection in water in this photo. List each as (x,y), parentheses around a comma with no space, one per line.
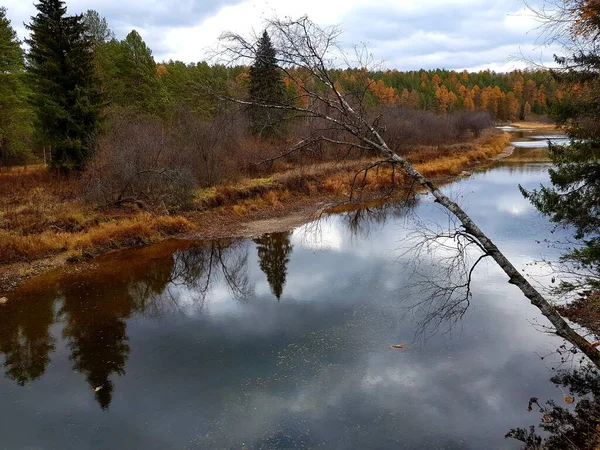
(274,252)
(187,354)
(96,332)
(200,267)
(25,338)
(96,316)
(362,222)
(574,425)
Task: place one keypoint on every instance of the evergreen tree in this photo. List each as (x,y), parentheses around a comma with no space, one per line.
(14,113)
(66,90)
(138,72)
(129,74)
(573,198)
(266,87)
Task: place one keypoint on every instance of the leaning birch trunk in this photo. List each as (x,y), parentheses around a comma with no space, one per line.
(305,45)
(563,329)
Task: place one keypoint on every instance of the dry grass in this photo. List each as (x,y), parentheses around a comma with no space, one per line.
(535,125)
(42,215)
(338,179)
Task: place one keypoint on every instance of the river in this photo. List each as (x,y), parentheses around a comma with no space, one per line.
(285,341)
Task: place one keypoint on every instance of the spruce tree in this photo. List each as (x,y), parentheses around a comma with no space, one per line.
(66,90)
(266,88)
(14,112)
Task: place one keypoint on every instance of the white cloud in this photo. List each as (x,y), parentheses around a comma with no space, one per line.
(412,34)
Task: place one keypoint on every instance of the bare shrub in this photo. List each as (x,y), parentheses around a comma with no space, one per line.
(209,148)
(473,121)
(405,128)
(135,164)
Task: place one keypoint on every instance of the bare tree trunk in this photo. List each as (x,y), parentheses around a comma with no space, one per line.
(305,48)
(562,327)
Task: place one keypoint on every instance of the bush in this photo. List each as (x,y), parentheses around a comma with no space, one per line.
(473,121)
(135,164)
(407,128)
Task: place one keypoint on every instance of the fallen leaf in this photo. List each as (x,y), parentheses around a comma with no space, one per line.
(397,346)
(99,388)
(569,399)
(547,418)
(3,301)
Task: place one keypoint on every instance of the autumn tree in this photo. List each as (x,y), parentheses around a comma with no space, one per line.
(15,123)
(66,93)
(266,87)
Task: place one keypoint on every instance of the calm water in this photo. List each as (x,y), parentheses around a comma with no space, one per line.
(284,341)
(531,139)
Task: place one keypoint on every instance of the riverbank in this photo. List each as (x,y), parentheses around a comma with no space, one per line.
(45,223)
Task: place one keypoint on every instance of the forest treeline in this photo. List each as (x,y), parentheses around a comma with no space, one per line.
(125,80)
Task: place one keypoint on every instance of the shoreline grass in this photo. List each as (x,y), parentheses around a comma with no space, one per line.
(43,216)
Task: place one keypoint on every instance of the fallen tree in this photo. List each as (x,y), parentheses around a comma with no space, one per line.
(307,55)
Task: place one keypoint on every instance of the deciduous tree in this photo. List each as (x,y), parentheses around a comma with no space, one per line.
(306,46)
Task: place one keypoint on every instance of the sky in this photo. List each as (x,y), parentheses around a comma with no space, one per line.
(403,34)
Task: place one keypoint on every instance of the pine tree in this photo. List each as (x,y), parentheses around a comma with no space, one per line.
(66,90)
(137,69)
(266,87)
(14,113)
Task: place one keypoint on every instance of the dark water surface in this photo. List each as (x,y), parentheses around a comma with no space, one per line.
(283,341)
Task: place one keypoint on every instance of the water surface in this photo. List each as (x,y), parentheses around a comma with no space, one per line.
(284,341)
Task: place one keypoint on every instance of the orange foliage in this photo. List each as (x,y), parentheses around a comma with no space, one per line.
(446,99)
(385,95)
(161,70)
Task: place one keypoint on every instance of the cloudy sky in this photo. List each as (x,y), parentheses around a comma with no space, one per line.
(405,34)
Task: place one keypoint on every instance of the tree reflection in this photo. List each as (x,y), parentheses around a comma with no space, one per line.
(200,267)
(274,252)
(96,306)
(96,331)
(365,220)
(573,426)
(25,338)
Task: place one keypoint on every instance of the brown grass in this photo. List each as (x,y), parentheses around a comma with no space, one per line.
(42,215)
(535,125)
(337,179)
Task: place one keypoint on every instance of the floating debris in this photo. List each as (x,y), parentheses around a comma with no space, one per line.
(397,346)
(99,388)
(3,301)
